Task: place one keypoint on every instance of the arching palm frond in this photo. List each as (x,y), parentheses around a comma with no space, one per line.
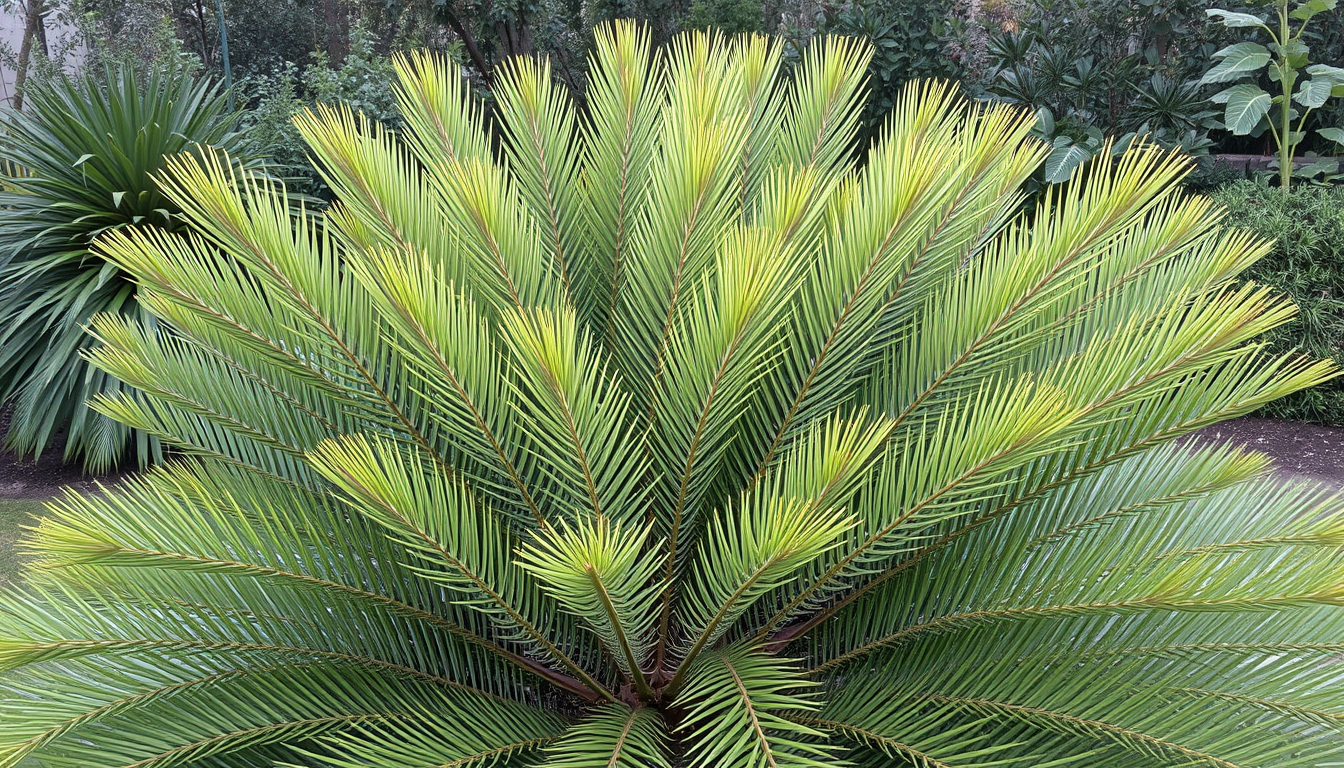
(673,437)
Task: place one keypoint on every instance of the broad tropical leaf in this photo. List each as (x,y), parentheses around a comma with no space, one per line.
(671,435)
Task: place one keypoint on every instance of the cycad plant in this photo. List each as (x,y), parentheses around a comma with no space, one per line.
(80,161)
(669,437)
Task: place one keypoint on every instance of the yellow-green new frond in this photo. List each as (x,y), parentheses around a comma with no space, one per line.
(540,127)
(690,204)
(783,524)
(613,736)
(575,417)
(599,572)
(624,103)
(442,117)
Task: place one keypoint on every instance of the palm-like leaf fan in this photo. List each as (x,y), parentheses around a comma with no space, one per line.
(80,161)
(670,437)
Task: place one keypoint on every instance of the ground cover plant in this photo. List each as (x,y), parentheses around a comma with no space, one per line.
(671,437)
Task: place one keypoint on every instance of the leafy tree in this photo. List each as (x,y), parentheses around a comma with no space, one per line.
(80,162)
(731,16)
(671,437)
(1248,108)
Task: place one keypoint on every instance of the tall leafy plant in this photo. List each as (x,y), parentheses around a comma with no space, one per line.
(1299,87)
(80,162)
(671,436)
(1100,73)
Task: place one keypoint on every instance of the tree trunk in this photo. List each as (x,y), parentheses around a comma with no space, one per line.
(468,41)
(205,37)
(337,39)
(32,30)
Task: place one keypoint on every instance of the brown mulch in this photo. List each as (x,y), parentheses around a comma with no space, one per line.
(22,477)
(1306,451)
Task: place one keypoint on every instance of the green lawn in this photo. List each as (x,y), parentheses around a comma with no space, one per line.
(14,513)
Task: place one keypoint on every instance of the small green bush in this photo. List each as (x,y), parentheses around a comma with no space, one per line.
(1307,263)
(363,81)
(730,16)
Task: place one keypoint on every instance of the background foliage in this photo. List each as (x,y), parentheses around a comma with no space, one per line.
(1307,263)
(363,80)
(1099,68)
(1097,73)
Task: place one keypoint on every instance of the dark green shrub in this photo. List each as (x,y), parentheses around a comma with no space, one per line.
(1307,263)
(730,16)
(911,41)
(1095,70)
(364,81)
(79,162)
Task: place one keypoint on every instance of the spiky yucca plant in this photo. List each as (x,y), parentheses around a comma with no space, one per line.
(671,438)
(78,162)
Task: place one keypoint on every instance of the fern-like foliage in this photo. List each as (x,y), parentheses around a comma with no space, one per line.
(80,161)
(668,435)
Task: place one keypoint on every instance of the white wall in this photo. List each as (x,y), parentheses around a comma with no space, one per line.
(60,37)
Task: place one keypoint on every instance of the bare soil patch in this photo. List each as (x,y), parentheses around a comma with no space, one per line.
(1307,451)
(22,477)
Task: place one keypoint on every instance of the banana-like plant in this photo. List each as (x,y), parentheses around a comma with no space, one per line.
(79,161)
(668,436)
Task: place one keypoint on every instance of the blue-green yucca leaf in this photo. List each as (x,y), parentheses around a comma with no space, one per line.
(82,160)
(672,435)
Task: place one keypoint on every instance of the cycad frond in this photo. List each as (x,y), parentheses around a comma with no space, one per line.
(613,736)
(672,436)
(594,571)
(735,700)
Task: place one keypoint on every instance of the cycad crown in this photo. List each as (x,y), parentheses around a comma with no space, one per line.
(668,435)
